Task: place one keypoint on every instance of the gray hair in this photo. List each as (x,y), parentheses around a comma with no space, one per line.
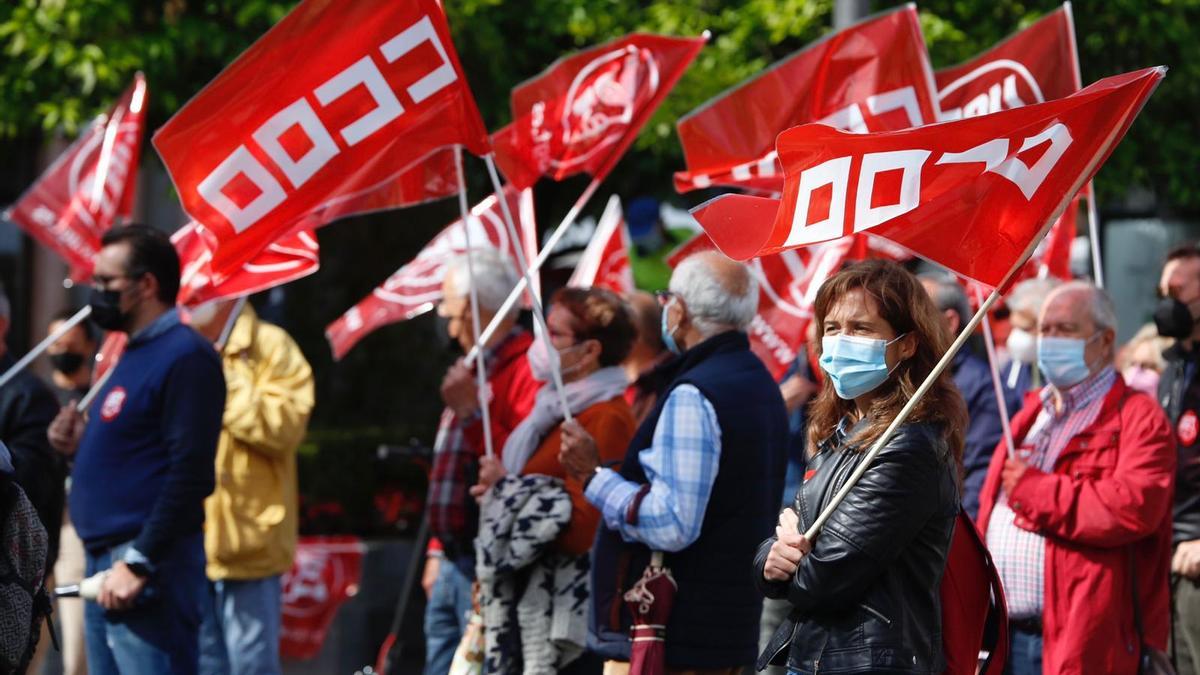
(949,295)
(1100,305)
(719,293)
(493,276)
(1030,295)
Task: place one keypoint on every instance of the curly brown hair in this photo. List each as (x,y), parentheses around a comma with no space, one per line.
(904,304)
(601,315)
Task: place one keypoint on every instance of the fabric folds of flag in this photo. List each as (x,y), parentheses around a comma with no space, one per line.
(293,257)
(974,195)
(872,76)
(89,187)
(417,286)
(605,261)
(583,112)
(322,116)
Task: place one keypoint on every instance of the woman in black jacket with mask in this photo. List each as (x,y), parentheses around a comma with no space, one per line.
(864,593)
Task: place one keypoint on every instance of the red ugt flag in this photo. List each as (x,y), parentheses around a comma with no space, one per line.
(77,200)
(1036,65)
(873,76)
(417,286)
(605,261)
(334,102)
(293,257)
(973,195)
(583,112)
(787,287)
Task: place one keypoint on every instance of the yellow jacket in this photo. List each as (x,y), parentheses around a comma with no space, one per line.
(250,519)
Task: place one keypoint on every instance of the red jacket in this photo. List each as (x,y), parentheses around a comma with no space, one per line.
(513,392)
(1109,495)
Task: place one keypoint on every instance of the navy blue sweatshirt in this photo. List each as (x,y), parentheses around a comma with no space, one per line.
(145,462)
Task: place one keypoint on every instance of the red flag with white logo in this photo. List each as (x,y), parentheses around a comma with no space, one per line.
(787,287)
(605,261)
(335,102)
(973,195)
(583,112)
(91,185)
(292,257)
(417,286)
(873,76)
(325,572)
(1036,65)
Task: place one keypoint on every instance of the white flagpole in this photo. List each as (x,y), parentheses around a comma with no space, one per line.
(480,366)
(66,326)
(538,262)
(1094,237)
(229,323)
(997,387)
(87,399)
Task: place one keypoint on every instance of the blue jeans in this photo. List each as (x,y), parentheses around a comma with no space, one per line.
(1024,654)
(240,631)
(446,614)
(156,636)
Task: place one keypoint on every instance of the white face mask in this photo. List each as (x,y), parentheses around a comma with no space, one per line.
(540,364)
(1022,345)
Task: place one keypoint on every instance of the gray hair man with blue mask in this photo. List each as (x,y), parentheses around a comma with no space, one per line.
(1083,501)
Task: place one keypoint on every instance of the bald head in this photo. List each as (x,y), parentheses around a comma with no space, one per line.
(719,294)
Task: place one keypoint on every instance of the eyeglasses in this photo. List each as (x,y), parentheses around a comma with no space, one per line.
(664,296)
(103,281)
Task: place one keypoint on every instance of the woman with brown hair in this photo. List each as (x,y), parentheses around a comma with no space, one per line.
(591,332)
(864,594)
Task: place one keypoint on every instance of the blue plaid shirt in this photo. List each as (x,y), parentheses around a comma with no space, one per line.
(681,466)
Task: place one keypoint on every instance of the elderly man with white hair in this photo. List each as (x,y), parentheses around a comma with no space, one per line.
(1024,303)
(700,482)
(453,513)
(1078,522)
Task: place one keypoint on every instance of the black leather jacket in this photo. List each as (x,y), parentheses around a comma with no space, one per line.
(1172,388)
(866,598)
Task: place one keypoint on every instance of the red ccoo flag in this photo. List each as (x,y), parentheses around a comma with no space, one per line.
(1036,65)
(293,257)
(605,261)
(583,112)
(973,195)
(90,186)
(417,286)
(336,101)
(787,285)
(872,76)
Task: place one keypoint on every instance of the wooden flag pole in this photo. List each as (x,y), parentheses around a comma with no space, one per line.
(480,365)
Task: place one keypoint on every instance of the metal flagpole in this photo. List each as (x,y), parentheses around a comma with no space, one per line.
(997,387)
(537,263)
(76,319)
(229,323)
(87,399)
(480,366)
(1094,237)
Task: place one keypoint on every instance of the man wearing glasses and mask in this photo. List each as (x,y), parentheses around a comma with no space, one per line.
(144,455)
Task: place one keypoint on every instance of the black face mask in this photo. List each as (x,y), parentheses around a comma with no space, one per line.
(67,363)
(106,309)
(1173,319)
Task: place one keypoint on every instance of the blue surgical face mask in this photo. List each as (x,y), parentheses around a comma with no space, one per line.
(1062,361)
(855,365)
(667,337)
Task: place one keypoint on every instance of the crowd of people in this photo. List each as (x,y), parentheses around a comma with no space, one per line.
(670,453)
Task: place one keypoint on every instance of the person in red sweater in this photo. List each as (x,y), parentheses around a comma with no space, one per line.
(453,515)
